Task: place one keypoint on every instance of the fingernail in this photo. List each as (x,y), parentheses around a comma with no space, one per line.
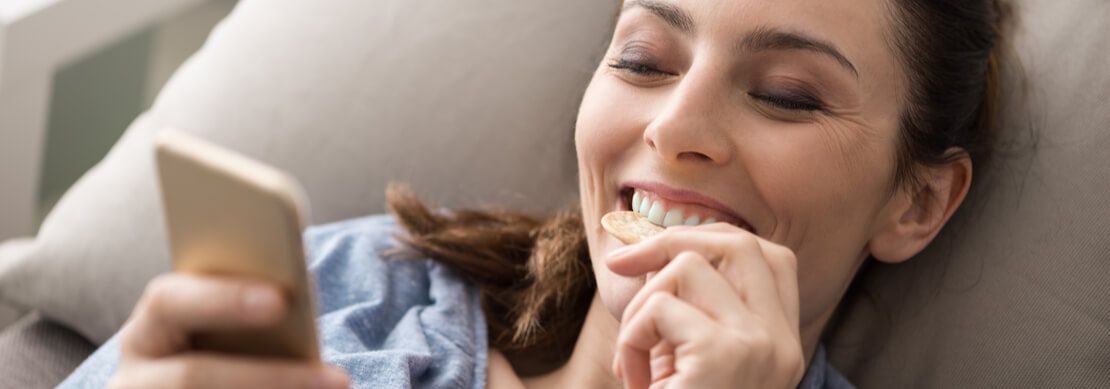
(260,303)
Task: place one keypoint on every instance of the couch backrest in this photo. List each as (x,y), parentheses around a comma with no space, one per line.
(350,94)
(1016,290)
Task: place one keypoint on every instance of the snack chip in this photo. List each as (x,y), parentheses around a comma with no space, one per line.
(629,227)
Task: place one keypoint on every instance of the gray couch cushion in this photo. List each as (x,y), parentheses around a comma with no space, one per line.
(8,315)
(1016,292)
(36,353)
(10,253)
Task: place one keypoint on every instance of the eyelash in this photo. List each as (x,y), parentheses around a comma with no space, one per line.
(798,103)
(788,103)
(638,68)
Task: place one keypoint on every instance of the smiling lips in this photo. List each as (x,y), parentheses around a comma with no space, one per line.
(664,210)
(665,213)
(651,213)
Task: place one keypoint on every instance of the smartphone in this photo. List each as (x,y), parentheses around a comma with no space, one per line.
(230,216)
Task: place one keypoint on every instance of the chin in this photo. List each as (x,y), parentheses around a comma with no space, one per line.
(615,290)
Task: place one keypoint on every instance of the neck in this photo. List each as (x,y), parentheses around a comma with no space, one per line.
(811,333)
(590,362)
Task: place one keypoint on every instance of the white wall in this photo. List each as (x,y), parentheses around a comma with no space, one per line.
(37,42)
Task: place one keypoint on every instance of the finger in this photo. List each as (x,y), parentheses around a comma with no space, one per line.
(714,242)
(203,370)
(737,254)
(177,305)
(691,278)
(662,362)
(662,384)
(664,318)
(784,266)
(762,287)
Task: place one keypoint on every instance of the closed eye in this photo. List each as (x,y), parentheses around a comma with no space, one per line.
(637,68)
(789,103)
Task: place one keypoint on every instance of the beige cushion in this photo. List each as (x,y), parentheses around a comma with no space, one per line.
(472,102)
(1016,293)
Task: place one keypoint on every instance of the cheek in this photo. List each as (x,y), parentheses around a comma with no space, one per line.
(603,130)
(599,144)
(605,134)
(823,179)
(826,186)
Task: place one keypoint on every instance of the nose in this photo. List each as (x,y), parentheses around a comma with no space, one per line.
(687,128)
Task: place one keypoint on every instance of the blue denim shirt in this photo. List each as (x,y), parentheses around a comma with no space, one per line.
(391,322)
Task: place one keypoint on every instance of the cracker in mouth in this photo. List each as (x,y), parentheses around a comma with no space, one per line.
(629,227)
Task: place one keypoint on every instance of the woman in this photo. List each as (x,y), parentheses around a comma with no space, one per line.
(783,144)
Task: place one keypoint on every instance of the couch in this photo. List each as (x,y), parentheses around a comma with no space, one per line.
(473,103)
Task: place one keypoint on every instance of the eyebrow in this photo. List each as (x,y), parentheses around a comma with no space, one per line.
(670,13)
(761,39)
(771,39)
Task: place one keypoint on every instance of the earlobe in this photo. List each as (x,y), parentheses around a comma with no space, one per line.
(913,217)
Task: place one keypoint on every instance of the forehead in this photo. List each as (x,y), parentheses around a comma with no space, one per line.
(855,28)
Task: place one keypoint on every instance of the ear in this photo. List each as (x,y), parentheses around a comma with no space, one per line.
(914,216)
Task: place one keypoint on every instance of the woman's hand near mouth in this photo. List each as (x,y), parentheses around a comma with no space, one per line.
(720,311)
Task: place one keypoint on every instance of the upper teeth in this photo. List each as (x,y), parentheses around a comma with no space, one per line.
(656,212)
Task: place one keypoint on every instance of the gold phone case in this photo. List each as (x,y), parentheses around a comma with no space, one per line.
(228,215)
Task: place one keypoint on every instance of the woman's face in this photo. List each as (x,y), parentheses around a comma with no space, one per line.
(778,116)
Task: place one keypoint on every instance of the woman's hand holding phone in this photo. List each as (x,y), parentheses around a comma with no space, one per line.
(155,341)
(237,312)
(720,311)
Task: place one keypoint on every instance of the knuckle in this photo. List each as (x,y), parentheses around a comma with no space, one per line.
(154,297)
(792,361)
(688,261)
(741,242)
(656,301)
(784,257)
(158,288)
(624,339)
(653,301)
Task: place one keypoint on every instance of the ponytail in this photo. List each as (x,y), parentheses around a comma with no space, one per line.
(533,274)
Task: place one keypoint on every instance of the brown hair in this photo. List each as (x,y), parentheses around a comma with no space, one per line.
(950,49)
(534,274)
